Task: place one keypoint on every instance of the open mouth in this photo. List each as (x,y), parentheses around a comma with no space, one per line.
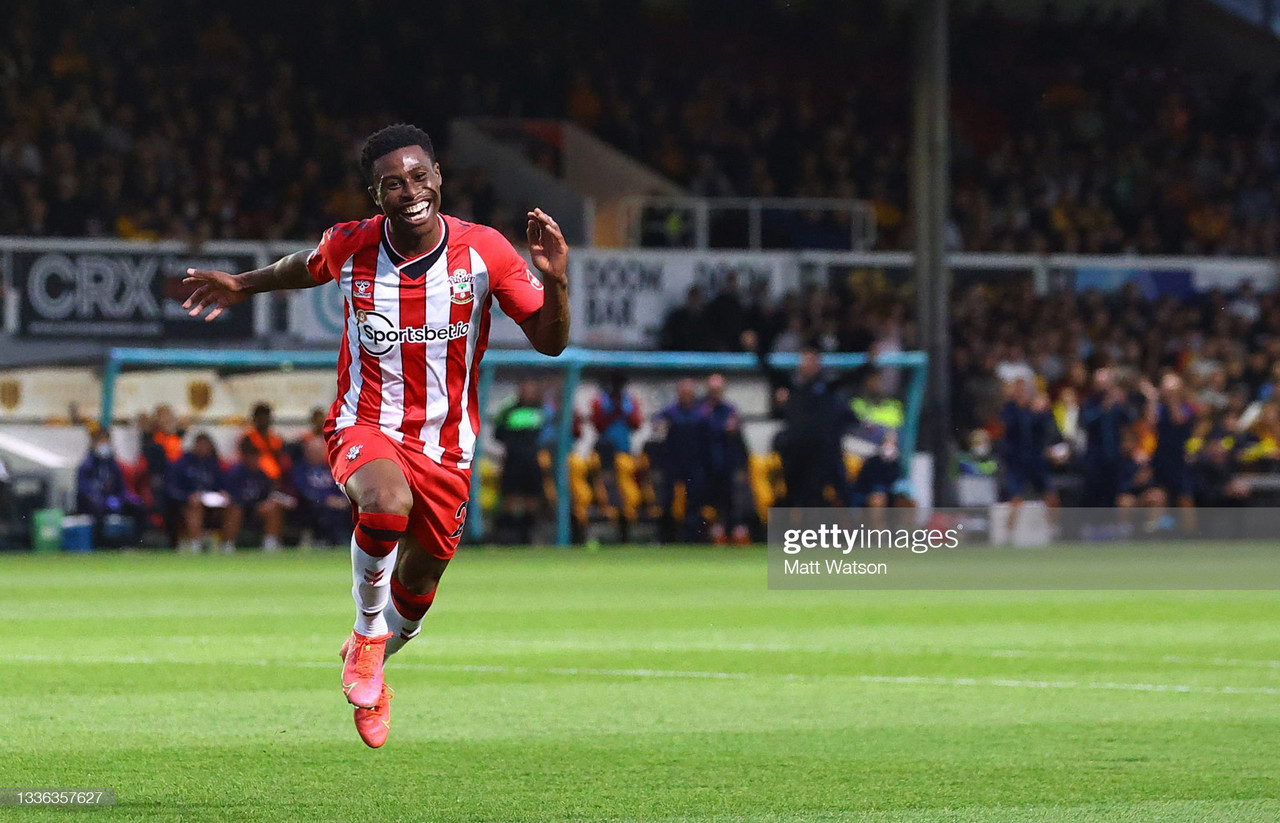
(417,212)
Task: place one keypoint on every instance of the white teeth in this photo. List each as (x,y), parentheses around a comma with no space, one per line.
(414,211)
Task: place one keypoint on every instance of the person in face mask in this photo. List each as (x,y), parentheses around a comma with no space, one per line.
(101,490)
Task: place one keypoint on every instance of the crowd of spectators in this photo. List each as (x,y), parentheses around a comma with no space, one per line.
(1094,398)
(182,489)
(1164,400)
(690,474)
(1136,387)
(687,477)
(1072,135)
(1068,136)
(1124,150)
(156,120)
(694,477)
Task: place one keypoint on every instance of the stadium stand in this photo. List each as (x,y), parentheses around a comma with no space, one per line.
(1221,345)
(1099,146)
(1096,147)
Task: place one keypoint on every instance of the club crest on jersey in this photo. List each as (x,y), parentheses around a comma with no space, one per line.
(461,286)
(363,288)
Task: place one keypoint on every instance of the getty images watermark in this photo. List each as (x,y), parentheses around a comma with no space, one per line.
(834,538)
(1028,547)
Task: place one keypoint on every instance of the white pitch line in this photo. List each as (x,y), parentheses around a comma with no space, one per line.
(1176,688)
(903,680)
(1108,657)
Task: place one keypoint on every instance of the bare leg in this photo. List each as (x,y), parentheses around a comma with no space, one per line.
(380,486)
(272,514)
(418,570)
(1015,504)
(193,520)
(232,521)
(413,591)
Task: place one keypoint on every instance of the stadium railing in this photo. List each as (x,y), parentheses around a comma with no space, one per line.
(571,364)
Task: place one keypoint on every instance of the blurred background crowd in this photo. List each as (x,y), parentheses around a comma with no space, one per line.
(179,120)
(1189,384)
(1118,401)
(184,120)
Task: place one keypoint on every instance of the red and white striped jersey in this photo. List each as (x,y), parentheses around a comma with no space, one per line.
(417,328)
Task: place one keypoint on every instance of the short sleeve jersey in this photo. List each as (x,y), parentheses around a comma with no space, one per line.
(416,329)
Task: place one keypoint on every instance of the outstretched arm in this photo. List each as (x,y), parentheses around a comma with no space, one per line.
(548,328)
(218,290)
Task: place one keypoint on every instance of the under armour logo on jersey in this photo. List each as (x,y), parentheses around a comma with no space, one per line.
(354,452)
(533,281)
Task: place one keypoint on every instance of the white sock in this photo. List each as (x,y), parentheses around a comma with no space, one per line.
(402,628)
(371,588)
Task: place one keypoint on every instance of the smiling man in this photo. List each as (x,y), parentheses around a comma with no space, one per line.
(402,430)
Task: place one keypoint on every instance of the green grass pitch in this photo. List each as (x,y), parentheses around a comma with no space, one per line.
(632,684)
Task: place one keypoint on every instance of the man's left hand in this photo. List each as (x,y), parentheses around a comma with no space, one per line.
(547,246)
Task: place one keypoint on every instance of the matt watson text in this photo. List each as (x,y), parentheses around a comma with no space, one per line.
(832,565)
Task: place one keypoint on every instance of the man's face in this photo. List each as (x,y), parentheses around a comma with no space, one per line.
(528,393)
(715,388)
(406,186)
(165,421)
(686,393)
(809,365)
(262,419)
(203,447)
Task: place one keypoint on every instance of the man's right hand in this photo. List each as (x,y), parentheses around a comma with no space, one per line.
(215,291)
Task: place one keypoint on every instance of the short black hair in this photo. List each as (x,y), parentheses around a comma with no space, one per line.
(386,140)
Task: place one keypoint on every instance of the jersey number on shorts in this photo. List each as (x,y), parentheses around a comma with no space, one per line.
(461,515)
